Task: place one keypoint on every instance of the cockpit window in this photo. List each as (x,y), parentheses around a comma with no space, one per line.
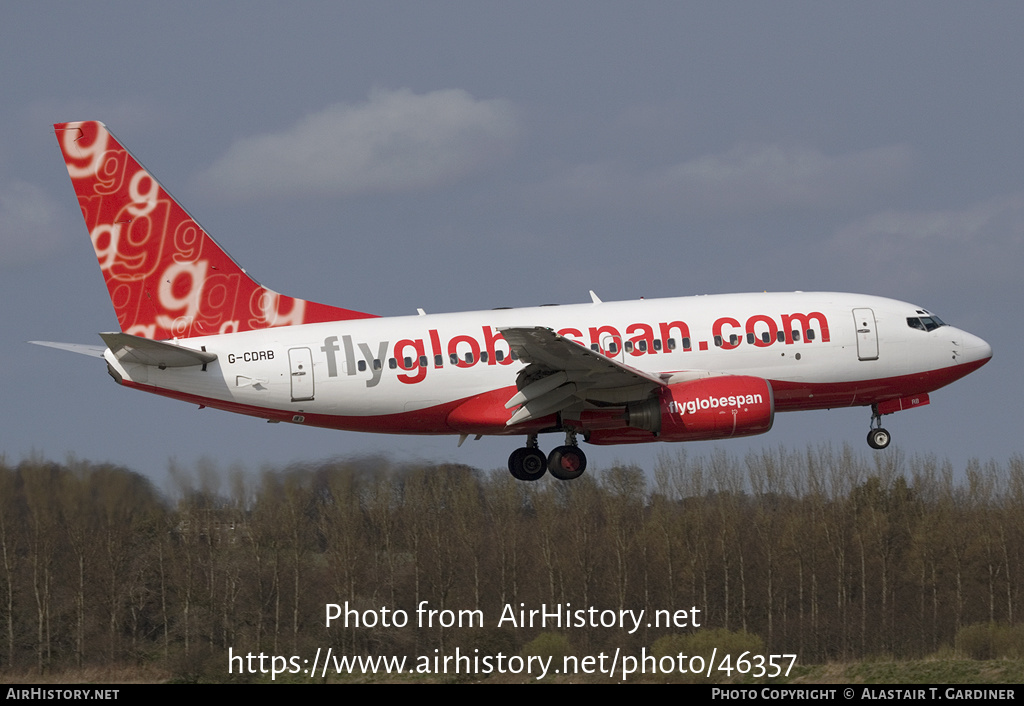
(925,323)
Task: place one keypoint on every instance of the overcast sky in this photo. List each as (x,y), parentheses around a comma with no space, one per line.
(470,155)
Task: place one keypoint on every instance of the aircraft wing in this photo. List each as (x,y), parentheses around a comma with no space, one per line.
(562,373)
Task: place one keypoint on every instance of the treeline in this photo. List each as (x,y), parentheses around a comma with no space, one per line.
(818,552)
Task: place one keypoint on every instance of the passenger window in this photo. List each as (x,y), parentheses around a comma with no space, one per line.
(671,344)
(513,355)
(718,341)
(499,356)
(469,357)
(734,339)
(628,345)
(594,347)
(408,362)
(613,348)
(809,334)
(362,366)
(796,334)
(642,345)
(455,358)
(423,361)
(686,344)
(657,344)
(483,356)
(392,363)
(438,360)
(377,365)
(750,338)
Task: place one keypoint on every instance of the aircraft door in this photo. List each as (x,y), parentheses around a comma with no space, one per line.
(867,334)
(300,362)
(612,347)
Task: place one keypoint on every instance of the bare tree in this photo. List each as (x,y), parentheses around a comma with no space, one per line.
(10,549)
(39,478)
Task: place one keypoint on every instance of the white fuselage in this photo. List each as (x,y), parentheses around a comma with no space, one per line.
(406,374)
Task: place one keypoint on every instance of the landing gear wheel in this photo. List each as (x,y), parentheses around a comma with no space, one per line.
(567,462)
(878,438)
(527,464)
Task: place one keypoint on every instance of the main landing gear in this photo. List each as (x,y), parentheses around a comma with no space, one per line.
(565,462)
(528,463)
(878,438)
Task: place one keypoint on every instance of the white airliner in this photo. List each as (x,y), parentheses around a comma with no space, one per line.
(196,327)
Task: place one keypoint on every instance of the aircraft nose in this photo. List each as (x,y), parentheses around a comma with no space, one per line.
(976,349)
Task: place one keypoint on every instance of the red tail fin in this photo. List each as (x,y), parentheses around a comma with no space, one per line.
(167,278)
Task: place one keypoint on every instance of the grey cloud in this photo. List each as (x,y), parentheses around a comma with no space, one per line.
(29,224)
(1000,219)
(746,179)
(979,243)
(395,141)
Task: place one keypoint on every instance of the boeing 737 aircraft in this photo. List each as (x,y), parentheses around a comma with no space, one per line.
(196,327)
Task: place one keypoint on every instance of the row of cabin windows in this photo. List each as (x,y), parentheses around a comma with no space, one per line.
(424,361)
(668,344)
(766,337)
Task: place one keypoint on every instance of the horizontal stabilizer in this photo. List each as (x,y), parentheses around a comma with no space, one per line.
(143,351)
(81,348)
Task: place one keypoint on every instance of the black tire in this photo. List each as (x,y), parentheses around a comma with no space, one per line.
(527,464)
(567,462)
(879,438)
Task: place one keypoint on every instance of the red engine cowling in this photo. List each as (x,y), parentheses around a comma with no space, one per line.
(709,408)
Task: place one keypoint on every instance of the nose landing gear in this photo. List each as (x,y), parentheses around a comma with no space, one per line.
(878,438)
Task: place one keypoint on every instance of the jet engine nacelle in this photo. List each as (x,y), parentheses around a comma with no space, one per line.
(709,408)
